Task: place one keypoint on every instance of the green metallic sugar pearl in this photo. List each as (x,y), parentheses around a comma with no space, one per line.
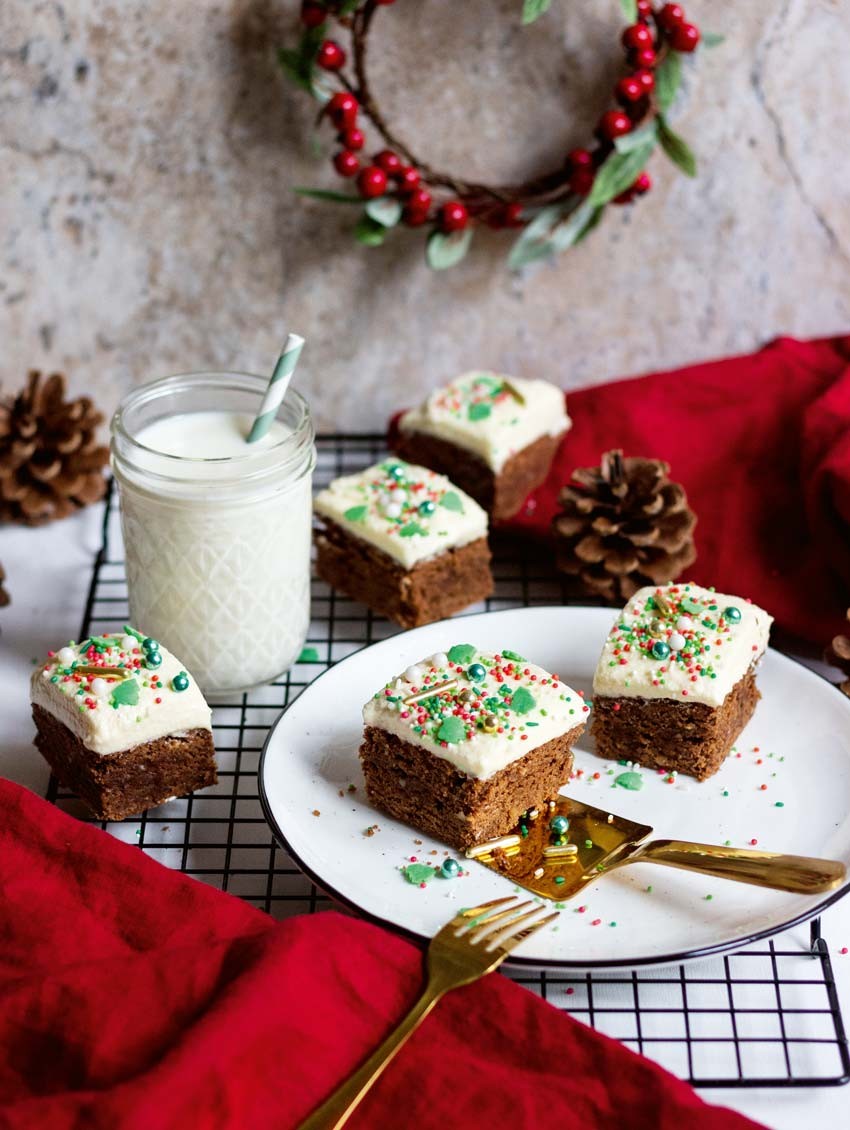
(153,659)
(476,672)
(427,508)
(732,614)
(397,472)
(450,868)
(559,825)
(661,650)
(180,682)
(150,644)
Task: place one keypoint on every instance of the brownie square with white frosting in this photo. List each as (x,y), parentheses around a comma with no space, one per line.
(494,435)
(462,743)
(403,540)
(675,684)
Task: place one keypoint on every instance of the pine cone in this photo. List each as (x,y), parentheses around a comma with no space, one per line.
(50,462)
(623,525)
(838,655)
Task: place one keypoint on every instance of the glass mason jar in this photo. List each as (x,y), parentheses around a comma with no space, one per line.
(218,549)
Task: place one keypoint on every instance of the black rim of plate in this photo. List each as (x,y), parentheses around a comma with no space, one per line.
(519,962)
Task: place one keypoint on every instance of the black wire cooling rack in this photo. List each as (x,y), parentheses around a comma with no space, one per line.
(767,1016)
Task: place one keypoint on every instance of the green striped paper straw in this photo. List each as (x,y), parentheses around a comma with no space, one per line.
(277,386)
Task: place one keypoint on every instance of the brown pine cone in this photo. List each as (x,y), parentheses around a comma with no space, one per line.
(838,655)
(50,461)
(623,525)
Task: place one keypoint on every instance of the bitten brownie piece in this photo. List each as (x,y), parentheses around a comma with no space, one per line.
(495,436)
(676,681)
(462,744)
(403,540)
(121,724)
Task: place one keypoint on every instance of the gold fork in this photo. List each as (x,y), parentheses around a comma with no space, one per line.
(464,950)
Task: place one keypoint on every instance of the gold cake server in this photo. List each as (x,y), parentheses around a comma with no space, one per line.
(598,842)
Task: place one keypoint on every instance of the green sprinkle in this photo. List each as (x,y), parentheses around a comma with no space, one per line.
(417,873)
(308,655)
(522,701)
(588,843)
(451,501)
(612,923)
(631,781)
(451,730)
(779,804)
(649,889)
(513,656)
(462,653)
(708,898)
(560,879)
(726,792)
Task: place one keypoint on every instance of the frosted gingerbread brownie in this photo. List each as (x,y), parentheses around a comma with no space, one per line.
(403,540)
(495,436)
(121,723)
(676,681)
(461,744)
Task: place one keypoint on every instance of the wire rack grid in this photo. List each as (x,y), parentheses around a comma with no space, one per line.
(766,1016)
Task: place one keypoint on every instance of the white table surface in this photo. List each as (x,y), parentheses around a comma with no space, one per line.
(48,571)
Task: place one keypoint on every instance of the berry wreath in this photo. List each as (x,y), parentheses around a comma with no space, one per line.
(555,210)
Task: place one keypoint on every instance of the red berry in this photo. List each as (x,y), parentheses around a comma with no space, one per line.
(345,163)
(581,181)
(636,36)
(685,37)
(372,181)
(625,197)
(646,79)
(419,200)
(512,215)
(670,16)
(330,56)
(629,90)
(644,9)
(342,109)
(384,2)
(408,178)
(646,57)
(580,159)
(613,123)
(453,216)
(388,161)
(353,138)
(642,184)
(312,14)
(414,217)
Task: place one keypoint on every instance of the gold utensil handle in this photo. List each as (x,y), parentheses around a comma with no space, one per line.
(336,1110)
(799,873)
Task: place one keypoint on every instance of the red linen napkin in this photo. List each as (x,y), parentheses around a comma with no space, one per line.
(762,446)
(134,998)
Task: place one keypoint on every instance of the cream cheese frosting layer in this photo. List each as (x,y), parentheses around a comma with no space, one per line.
(408,512)
(681,642)
(484,711)
(113,692)
(491,415)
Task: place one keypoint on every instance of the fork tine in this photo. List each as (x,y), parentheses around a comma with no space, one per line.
(462,918)
(479,931)
(510,943)
(508,930)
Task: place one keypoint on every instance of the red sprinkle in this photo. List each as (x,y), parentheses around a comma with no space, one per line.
(596,922)
(763,788)
(582,909)
(842,950)
(616,707)
(571,990)
(753,842)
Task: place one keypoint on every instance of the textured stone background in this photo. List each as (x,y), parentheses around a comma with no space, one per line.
(149,149)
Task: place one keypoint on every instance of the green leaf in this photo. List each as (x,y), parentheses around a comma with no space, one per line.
(590,225)
(639,137)
(292,66)
(370,232)
(522,701)
(667,80)
(618,173)
(356,513)
(574,226)
(712,39)
(462,653)
(131,631)
(478,412)
(533,244)
(451,501)
(444,251)
(452,730)
(126,693)
(324,194)
(533,9)
(348,6)
(677,149)
(384,210)
(411,530)
(629,9)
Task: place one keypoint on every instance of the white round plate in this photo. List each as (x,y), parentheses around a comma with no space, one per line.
(797,745)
